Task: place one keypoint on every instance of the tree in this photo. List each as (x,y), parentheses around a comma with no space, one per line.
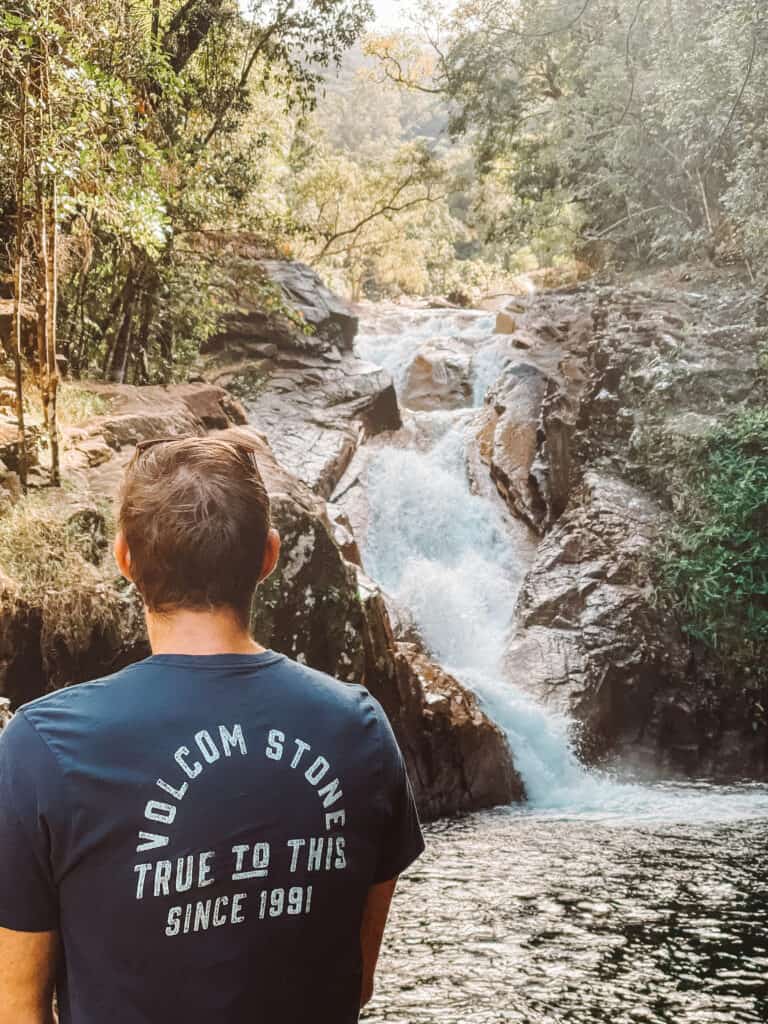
(135,137)
(637,112)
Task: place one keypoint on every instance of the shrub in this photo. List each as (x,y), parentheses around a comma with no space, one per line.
(53,558)
(715,563)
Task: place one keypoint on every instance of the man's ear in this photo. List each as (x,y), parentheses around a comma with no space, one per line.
(123,555)
(271,554)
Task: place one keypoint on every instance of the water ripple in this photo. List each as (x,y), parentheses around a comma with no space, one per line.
(524,918)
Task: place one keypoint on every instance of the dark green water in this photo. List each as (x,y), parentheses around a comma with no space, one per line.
(525,917)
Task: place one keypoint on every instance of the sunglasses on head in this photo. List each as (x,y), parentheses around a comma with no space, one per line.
(244,452)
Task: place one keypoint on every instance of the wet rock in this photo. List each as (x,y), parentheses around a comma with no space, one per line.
(316,413)
(457,758)
(309,608)
(438,377)
(344,534)
(524,437)
(505,323)
(591,641)
(310,396)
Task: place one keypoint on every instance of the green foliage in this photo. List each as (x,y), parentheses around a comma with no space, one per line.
(715,566)
(648,121)
(153,130)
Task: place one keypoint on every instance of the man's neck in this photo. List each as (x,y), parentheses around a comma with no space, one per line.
(206,632)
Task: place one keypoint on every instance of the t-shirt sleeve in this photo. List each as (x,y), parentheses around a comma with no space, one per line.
(402,839)
(28,896)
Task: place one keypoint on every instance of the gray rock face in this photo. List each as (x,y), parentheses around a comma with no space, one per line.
(245,324)
(615,371)
(458,759)
(438,377)
(590,641)
(525,438)
(316,413)
(306,392)
(331,317)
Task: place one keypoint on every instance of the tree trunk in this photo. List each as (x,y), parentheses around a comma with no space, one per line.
(52,368)
(118,359)
(145,321)
(18,277)
(43,297)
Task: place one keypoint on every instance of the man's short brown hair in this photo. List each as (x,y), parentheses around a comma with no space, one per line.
(195,515)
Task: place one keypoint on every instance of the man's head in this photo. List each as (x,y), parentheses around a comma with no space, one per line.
(194,525)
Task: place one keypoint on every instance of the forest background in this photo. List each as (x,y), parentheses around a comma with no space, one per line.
(443,158)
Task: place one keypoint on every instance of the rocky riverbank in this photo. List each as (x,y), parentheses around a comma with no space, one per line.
(602,389)
(581,380)
(313,403)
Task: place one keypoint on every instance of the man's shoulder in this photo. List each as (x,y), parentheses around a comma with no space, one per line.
(315,686)
(78,697)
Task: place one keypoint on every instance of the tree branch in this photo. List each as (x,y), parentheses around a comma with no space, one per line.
(389,206)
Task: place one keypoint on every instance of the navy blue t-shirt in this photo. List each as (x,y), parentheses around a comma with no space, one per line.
(203,832)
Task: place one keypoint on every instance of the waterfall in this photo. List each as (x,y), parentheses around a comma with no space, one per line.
(455,560)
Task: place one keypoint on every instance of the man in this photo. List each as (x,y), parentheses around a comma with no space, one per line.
(214,833)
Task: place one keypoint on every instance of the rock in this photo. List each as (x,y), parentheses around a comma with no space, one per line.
(141,413)
(316,413)
(9,443)
(458,760)
(438,377)
(248,327)
(88,525)
(304,289)
(590,640)
(89,452)
(94,628)
(309,608)
(505,323)
(309,395)
(28,329)
(344,534)
(215,409)
(7,397)
(524,437)
(10,486)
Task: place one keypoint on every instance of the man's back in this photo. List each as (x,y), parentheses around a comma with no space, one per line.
(203,831)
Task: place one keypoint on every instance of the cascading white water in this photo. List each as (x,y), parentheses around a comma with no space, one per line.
(455,560)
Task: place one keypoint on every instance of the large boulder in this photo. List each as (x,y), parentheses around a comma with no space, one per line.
(136,414)
(524,437)
(458,759)
(315,411)
(313,318)
(329,316)
(437,377)
(73,629)
(591,641)
(294,369)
